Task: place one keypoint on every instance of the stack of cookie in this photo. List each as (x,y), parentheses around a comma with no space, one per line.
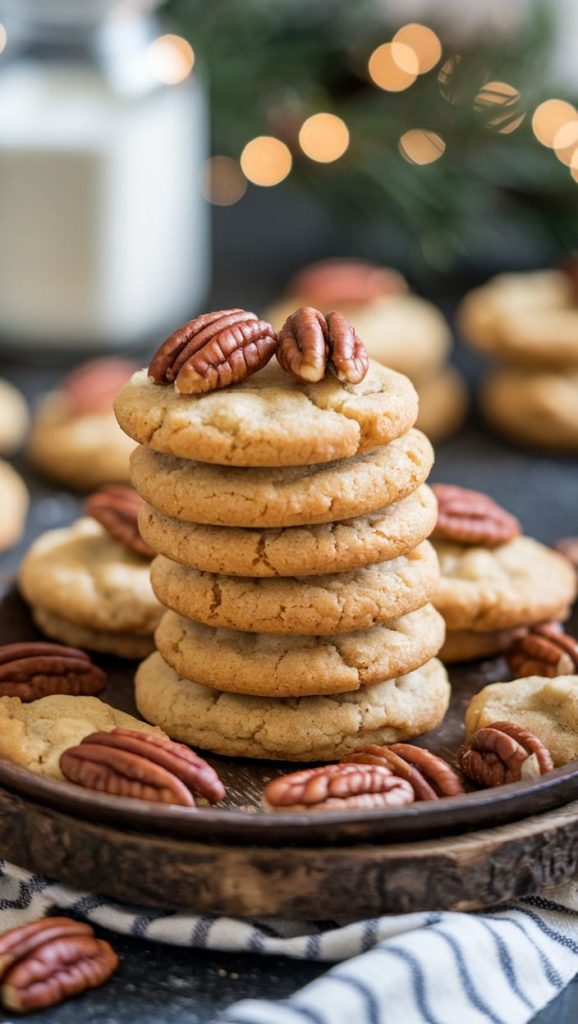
(529,322)
(290,521)
(399,329)
(495,583)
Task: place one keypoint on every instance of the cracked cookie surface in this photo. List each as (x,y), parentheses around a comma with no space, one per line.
(270,419)
(294,729)
(275,665)
(84,576)
(515,584)
(320,605)
(547,707)
(294,550)
(290,496)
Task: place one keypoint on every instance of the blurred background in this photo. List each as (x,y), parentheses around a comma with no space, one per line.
(157,159)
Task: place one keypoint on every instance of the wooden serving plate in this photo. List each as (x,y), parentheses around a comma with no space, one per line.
(459,853)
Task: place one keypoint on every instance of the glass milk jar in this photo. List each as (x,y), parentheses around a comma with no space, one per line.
(103,231)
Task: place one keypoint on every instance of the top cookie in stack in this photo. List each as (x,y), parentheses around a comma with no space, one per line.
(290,514)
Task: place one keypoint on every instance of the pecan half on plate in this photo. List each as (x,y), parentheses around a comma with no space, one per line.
(338,787)
(503,752)
(545,650)
(429,775)
(142,766)
(470,517)
(45,962)
(213,351)
(117,508)
(310,343)
(30,670)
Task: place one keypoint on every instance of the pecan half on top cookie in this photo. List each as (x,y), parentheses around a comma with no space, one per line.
(544,650)
(116,508)
(338,787)
(503,752)
(213,351)
(90,388)
(471,517)
(310,343)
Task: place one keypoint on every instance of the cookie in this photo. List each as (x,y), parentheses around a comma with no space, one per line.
(515,584)
(34,735)
(295,729)
(81,451)
(539,409)
(291,496)
(270,419)
(13,418)
(132,646)
(311,605)
(401,331)
(13,506)
(465,645)
(529,318)
(443,402)
(294,550)
(82,575)
(547,707)
(292,666)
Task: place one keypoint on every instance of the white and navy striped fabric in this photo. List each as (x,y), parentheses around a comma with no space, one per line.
(499,966)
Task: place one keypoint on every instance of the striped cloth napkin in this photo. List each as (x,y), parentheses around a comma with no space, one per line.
(501,965)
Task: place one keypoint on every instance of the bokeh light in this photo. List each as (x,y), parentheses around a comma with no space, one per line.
(324,137)
(574,166)
(393,66)
(447,78)
(171,59)
(266,161)
(549,118)
(223,183)
(424,43)
(565,142)
(2,37)
(421,146)
(501,106)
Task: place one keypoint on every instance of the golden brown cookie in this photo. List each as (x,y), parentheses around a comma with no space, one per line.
(291,496)
(465,645)
(82,575)
(304,550)
(270,419)
(132,646)
(547,707)
(312,605)
(13,418)
(275,665)
(535,408)
(13,505)
(443,402)
(515,584)
(296,729)
(34,735)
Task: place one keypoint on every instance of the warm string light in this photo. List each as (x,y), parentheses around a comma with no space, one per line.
(171,59)
(2,37)
(420,146)
(500,104)
(266,161)
(555,125)
(414,50)
(222,181)
(324,137)
(424,43)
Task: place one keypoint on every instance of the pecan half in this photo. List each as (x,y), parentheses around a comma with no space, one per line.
(503,752)
(213,351)
(545,650)
(125,762)
(345,283)
(30,670)
(92,386)
(568,546)
(309,343)
(470,517)
(117,508)
(52,963)
(335,787)
(430,776)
